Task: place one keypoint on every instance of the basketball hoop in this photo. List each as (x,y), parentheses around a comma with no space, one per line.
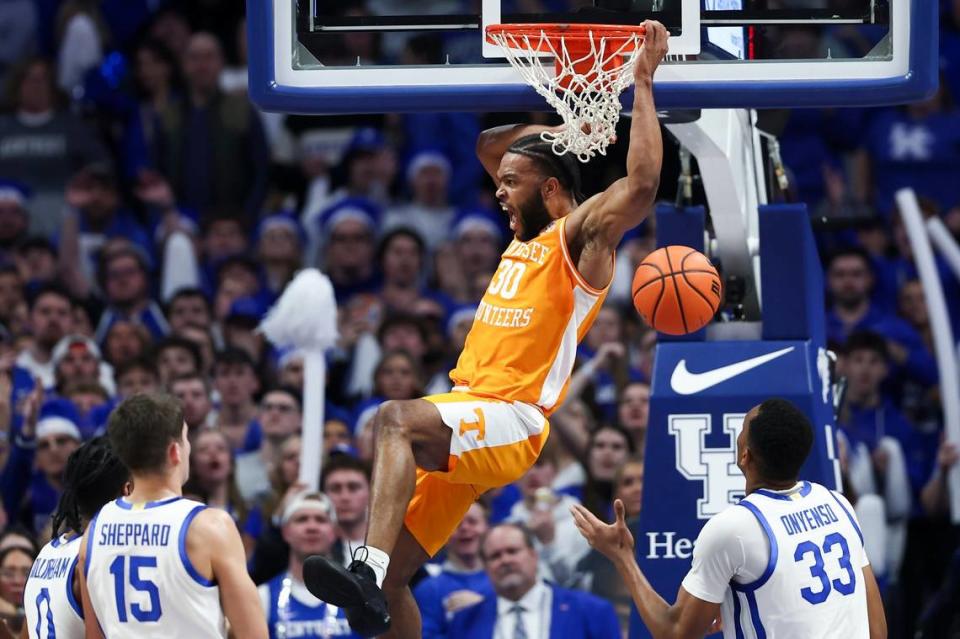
(593,64)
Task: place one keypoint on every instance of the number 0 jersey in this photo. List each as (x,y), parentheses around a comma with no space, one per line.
(801,577)
(524,338)
(48,601)
(139,577)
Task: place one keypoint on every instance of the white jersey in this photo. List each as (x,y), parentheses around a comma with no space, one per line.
(784,565)
(50,606)
(139,577)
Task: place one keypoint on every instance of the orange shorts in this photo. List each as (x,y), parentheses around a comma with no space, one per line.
(494,442)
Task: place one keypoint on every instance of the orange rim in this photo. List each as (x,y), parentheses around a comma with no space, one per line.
(614,34)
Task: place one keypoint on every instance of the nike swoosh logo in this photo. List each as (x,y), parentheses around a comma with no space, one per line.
(683,382)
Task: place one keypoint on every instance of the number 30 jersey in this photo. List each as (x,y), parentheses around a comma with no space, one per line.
(139,577)
(524,337)
(50,606)
(799,574)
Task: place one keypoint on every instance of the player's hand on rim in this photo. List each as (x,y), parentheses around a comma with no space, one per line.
(613,540)
(652,51)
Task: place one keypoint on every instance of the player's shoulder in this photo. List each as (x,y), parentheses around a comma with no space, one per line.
(213,522)
(726,527)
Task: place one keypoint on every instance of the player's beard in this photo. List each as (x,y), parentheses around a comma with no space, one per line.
(534,217)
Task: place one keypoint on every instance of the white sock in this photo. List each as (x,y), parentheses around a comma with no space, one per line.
(378,561)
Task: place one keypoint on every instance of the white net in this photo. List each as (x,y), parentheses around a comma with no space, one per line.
(585,90)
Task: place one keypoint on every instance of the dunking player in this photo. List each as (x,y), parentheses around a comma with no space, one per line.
(436,455)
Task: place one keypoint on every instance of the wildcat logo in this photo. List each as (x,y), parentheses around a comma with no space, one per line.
(723,483)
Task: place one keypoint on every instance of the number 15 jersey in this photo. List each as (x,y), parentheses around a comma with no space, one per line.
(784,565)
(139,577)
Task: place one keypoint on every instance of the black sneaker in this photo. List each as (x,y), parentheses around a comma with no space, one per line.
(354,589)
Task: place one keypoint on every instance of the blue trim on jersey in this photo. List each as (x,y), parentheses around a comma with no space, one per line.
(91,529)
(755,615)
(77,608)
(774,551)
(805,489)
(853,522)
(182,546)
(126,505)
(736,614)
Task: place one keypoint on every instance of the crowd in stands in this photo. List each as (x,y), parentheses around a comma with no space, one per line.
(150,215)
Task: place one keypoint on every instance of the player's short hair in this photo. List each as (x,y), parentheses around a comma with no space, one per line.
(94,475)
(563,167)
(867,341)
(142,427)
(780,437)
(528,539)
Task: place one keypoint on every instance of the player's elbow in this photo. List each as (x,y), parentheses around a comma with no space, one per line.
(643,190)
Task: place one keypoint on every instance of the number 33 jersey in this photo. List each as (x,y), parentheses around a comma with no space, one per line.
(784,565)
(139,577)
(524,337)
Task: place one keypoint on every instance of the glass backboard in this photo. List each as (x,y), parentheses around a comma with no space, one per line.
(378,56)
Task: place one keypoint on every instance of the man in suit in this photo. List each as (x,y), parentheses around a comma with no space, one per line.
(524,606)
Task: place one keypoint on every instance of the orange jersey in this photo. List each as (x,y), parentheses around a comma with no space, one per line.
(524,338)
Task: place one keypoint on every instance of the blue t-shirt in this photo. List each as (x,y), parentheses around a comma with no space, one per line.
(293,612)
(920,153)
(432,593)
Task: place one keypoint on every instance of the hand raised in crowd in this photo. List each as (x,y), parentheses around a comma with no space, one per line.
(79,193)
(615,540)
(6,411)
(947,455)
(31,410)
(542,526)
(154,190)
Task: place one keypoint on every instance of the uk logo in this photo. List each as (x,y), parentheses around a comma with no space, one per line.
(715,468)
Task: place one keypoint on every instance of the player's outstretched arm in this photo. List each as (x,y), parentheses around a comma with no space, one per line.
(493,143)
(603,219)
(689,617)
(213,536)
(875,615)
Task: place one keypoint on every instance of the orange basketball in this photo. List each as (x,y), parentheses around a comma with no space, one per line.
(676,290)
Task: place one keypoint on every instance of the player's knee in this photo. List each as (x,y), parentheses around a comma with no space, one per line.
(390,418)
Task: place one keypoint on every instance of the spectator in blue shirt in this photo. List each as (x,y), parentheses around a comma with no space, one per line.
(309,527)
(125,279)
(461,581)
(850,279)
(48,435)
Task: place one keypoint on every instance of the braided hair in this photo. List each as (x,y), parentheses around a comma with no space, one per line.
(94,475)
(564,167)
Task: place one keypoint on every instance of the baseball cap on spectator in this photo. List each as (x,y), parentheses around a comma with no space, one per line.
(366,140)
(476,220)
(245,312)
(358,209)
(58,417)
(283,220)
(309,501)
(426,159)
(345,449)
(73,343)
(13,192)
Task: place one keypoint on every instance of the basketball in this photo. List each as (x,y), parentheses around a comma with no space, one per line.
(676,290)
